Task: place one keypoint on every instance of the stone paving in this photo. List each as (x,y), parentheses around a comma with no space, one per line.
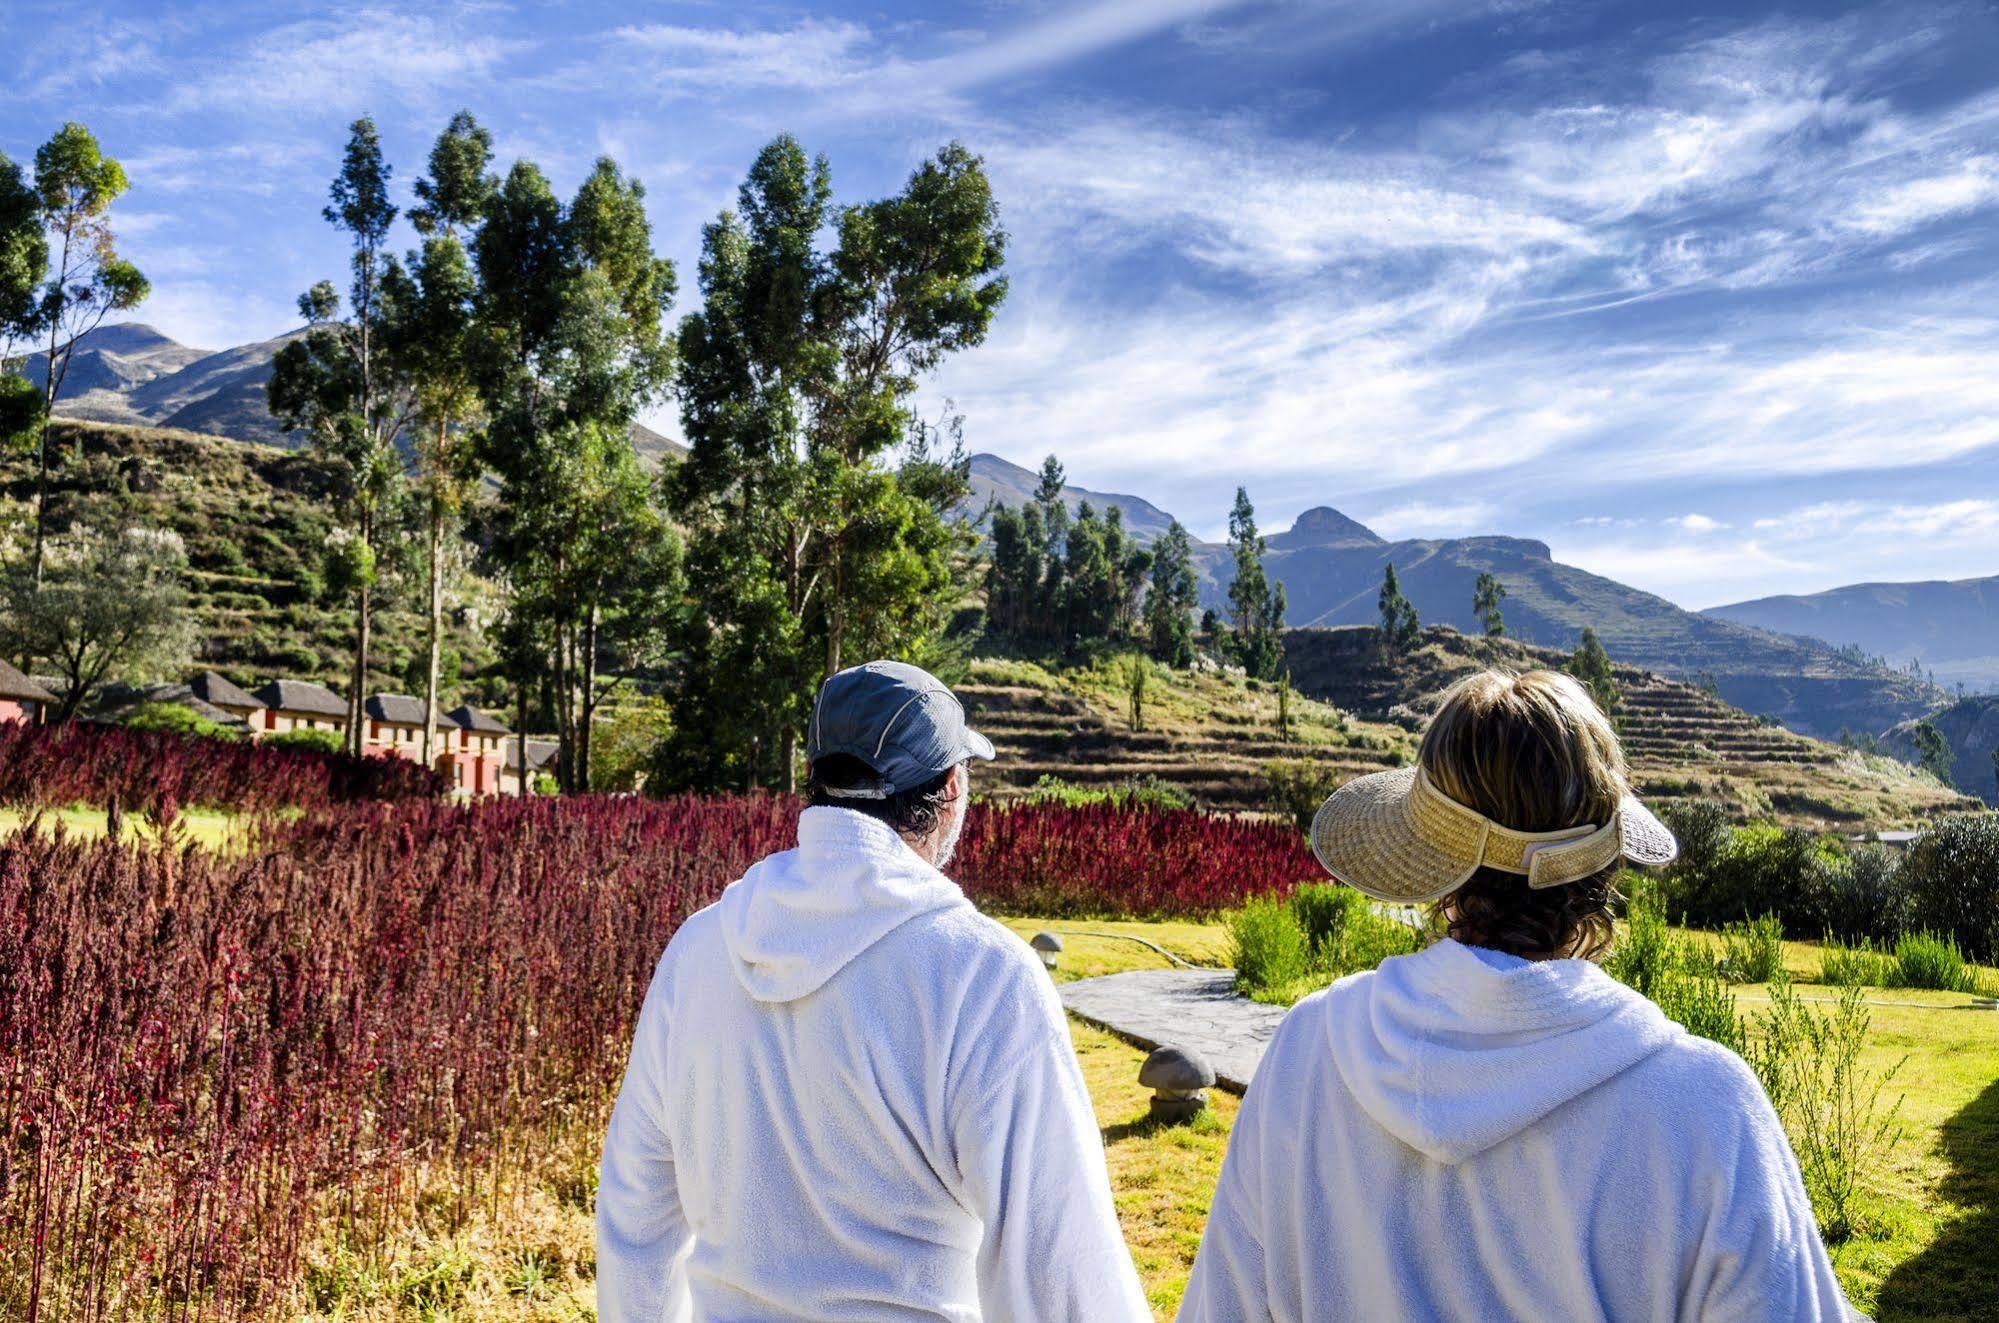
(1192,1008)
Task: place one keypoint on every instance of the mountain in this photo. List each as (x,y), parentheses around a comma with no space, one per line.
(997,480)
(130,373)
(1950,626)
(1332,566)
(1970,726)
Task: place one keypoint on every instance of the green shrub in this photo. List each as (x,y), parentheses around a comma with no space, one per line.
(1267,946)
(319,741)
(1645,949)
(177,720)
(1323,910)
(1296,787)
(1924,960)
(1692,995)
(1728,874)
(1369,938)
(1861,966)
(1953,881)
(1870,897)
(1752,952)
(1809,1064)
(1142,792)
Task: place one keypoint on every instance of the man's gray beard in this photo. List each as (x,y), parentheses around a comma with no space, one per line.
(948,848)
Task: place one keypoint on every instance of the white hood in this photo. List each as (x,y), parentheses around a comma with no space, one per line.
(1452,1054)
(798,918)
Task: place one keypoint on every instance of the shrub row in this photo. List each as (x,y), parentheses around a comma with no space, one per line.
(160,772)
(1947,883)
(1099,860)
(203,1056)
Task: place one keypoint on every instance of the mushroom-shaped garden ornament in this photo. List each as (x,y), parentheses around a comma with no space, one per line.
(1179,1079)
(1049,945)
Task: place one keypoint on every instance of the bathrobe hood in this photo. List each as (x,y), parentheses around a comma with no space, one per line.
(799,917)
(1452,1052)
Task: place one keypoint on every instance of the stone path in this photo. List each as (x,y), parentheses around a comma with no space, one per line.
(1194,1008)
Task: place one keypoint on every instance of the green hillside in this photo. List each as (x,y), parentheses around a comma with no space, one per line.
(1213,734)
(255,521)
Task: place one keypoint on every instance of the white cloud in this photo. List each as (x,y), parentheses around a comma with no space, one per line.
(1442,518)
(1914,203)
(349,63)
(1696,523)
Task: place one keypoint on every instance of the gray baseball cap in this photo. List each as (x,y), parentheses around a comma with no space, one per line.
(898,719)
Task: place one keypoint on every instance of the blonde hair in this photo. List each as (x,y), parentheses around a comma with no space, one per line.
(1532,752)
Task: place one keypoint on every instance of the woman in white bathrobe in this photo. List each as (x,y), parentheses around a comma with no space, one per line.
(1494,1128)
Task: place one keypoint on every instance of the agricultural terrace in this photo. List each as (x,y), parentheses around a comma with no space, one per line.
(352,1058)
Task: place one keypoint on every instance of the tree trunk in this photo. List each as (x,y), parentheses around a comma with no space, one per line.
(586,728)
(436,625)
(521,733)
(788,751)
(356,744)
(836,610)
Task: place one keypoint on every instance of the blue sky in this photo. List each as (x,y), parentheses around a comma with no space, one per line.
(1702,297)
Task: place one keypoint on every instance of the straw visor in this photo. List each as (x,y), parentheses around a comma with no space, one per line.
(1396,837)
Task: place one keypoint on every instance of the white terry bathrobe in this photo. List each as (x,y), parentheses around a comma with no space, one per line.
(1464,1135)
(853,1096)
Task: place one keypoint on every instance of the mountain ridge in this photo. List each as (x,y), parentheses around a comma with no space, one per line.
(1332,568)
(131,374)
(1950,626)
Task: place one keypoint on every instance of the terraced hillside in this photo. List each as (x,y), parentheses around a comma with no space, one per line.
(1211,734)
(1214,734)
(1684,741)
(255,521)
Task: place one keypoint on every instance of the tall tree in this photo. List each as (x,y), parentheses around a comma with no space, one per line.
(1590,663)
(1400,626)
(430,333)
(913,278)
(1171,599)
(573,344)
(24,255)
(1486,596)
(75,185)
(341,386)
(1256,608)
(797,371)
(1933,751)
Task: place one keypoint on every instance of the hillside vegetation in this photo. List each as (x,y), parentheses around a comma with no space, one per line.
(1213,734)
(1970,727)
(255,521)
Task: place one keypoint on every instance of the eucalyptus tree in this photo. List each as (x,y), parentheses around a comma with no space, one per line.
(1487,594)
(571,343)
(341,385)
(1171,598)
(86,279)
(24,255)
(797,371)
(431,336)
(1400,625)
(1256,606)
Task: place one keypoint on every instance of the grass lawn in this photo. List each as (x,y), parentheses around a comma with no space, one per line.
(205,827)
(1925,1255)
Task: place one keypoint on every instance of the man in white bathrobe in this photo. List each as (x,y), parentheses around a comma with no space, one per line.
(851,1095)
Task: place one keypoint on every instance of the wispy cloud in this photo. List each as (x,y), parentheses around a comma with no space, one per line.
(349,62)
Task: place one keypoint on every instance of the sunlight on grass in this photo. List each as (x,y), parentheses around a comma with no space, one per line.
(205,827)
